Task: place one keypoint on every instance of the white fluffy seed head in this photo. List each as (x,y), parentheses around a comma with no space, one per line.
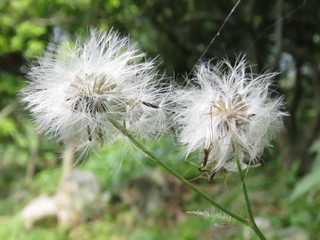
(229,115)
(74,90)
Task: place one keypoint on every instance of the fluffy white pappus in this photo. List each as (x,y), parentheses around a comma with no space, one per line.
(73,91)
(148,110)
(229,115)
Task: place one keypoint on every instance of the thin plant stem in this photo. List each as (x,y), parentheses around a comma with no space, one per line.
(253,224)
(177,175)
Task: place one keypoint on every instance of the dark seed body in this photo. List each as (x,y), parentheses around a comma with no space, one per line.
(150,105)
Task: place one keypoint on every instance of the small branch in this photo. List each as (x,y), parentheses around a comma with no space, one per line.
(67,159)
(254,226)
(296,100)
(34,156)
(8,110)
(278,34)
(177,175)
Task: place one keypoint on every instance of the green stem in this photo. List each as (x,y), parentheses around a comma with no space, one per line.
(177,175)
(253,224)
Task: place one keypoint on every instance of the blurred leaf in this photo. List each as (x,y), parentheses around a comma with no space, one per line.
(47,181)
(7,127)
(306,184)
(34,48)
(28,30)
(315,148)
(3,44)
(10,84)
(311,182)
(16,43)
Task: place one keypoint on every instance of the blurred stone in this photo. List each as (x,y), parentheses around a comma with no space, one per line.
(146,193)
(38,209)
(78,194)
(295,233)
(153,191)
(270,232)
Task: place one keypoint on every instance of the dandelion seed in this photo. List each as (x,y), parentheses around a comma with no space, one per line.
(230,115)
(74,91)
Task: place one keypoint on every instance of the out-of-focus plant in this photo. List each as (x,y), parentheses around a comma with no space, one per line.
(309,185)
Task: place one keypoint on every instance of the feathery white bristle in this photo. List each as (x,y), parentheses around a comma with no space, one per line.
(73,91)
(229,115)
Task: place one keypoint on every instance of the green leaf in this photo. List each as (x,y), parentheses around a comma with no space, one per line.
(29,30)
(34,48)
(308,183)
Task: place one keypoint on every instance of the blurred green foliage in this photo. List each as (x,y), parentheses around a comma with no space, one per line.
(309,184)
(281,35)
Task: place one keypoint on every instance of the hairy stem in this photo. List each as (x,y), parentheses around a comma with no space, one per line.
(177,175)
(253,224)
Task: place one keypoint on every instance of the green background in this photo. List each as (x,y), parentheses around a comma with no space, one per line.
(277,35)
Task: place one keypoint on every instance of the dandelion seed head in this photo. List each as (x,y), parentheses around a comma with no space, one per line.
(74,89)
(229,115)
